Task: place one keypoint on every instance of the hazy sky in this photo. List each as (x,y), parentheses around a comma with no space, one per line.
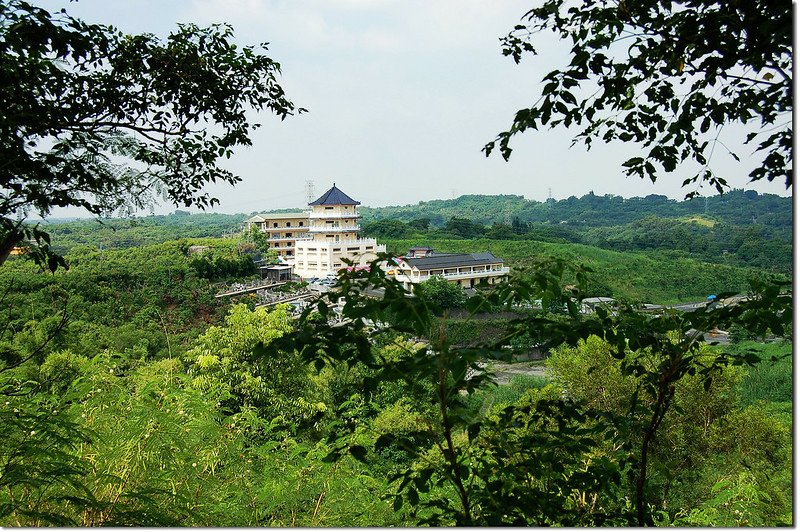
(402,95)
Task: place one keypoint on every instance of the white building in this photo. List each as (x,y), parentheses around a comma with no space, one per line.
(283,229)
(464,269)
(333,235)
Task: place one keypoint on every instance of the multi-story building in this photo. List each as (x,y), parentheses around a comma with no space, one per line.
(283,230)
(333,235)
(464,269)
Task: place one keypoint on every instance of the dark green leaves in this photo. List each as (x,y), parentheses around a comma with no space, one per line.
(103,121)
(666,75)
(358,452)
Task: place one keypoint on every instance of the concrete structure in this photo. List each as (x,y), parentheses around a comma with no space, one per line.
(276,272)
(284,229)
(333,235)
(589,304)
(419,251)
(464,269)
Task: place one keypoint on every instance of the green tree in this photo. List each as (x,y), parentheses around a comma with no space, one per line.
(662,352)
(464,227)
(500,232)
(441,293)
(226,364)
(387,228)
(101,120)
(668,76)
(257,237)
(423,224)
(590,374)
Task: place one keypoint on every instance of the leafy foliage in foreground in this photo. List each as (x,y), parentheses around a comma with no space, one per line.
(105,121)
(468,460)
(666,76)
(115,440)
(383,417)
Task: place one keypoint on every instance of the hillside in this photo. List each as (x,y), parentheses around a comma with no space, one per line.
(738,207)
(662,279)
(129,381)
(741,228)
(138,231)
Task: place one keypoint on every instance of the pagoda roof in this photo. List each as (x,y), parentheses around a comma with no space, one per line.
(334,196)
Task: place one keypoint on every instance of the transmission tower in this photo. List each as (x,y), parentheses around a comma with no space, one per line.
(310,195)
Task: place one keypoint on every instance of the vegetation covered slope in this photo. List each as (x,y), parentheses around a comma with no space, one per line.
(739,207)
(155,404)
(737,228)
(663,278)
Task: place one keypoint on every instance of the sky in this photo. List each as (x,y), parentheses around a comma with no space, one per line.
(402,95)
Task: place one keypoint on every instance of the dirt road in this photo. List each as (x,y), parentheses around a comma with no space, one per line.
(504,372)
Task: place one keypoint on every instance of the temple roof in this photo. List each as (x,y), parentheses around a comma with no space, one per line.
(334,196)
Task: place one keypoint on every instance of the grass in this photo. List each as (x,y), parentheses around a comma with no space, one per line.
(652,278)
(768,381)
(506,394)
(705,222)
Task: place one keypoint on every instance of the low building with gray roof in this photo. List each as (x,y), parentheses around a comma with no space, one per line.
(464,269)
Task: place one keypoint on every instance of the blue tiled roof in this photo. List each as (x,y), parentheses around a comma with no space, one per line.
(334,196)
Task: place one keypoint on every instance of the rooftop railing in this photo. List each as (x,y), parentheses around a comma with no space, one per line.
(331,216)
(453,275)
(336,229)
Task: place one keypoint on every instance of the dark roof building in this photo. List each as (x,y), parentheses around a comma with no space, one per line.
(334,196)
(465,269)
(435,261)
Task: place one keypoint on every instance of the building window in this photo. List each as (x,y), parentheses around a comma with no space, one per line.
(336,249)
(288,235)
(275,224)
(301,224)
(328,208)
(288,224)
(368,248)
(353,249)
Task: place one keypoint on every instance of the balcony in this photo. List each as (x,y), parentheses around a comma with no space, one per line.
(286,238)
(332,216)
(455,276)
(334,229)
(380,248)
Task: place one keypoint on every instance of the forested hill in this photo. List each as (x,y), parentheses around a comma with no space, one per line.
(735,207)
(132,232)
(738,228)
(742,228)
